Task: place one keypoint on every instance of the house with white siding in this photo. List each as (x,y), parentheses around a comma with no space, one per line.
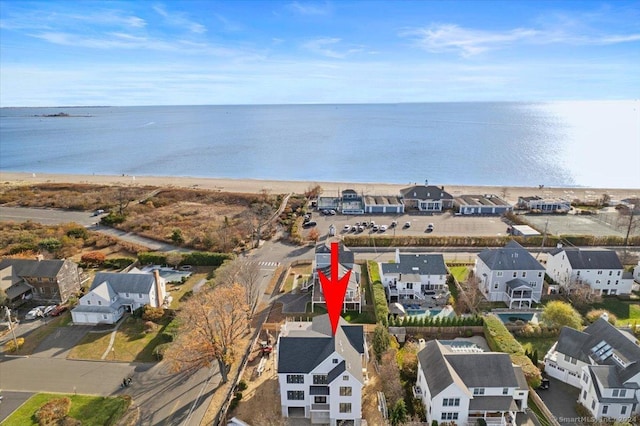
(604,363)
(510,274)
(412,275)
(113,294)
(346,262)
(598,268)
(464,387)
(321,375)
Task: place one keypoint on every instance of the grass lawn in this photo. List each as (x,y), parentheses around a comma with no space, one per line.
(304,270)
(178,291)
(90,410)
(542,344)
(131,343)
(34,338)
(541,418)
(626,311)
(459,272)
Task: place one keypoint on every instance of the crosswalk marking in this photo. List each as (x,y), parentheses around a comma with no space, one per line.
(264,263)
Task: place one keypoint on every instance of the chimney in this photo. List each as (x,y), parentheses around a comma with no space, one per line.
(159,288)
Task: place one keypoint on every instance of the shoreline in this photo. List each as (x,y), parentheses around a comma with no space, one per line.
(509,193)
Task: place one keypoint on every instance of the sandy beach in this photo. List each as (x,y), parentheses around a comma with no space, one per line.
(510,193)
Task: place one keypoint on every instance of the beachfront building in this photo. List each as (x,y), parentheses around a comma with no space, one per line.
(321,375)
(537,204)
(464,387)
(322,261)
(383,204)
(411,276)
(426,198)
(112,294)
(43,281)
(509,274)
(598,268)
(487,204)
(604,363)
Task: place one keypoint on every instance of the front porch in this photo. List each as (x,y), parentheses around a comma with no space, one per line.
(519,294)
(353,300)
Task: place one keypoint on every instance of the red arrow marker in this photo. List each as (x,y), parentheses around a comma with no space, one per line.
(334,288)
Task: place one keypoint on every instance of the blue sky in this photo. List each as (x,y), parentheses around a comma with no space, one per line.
(262,52)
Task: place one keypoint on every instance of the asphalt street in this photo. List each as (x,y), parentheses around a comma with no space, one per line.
(11,401)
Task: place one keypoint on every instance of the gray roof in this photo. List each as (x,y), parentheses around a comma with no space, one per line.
(17,289)
(590,258)
(522,380)
(601,334)
(441,368)
(510,257)
(488,200)
(517,283)
(354,278)
(492,403)
(33,268)
(345,256)
(125,283)
(304,350)
(422,264)
(594,373)
(422,192)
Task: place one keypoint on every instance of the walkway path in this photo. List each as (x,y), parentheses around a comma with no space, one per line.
(112,338)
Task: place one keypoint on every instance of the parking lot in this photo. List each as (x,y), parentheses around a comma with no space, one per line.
(444,224)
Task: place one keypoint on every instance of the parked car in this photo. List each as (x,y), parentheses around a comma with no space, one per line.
(59,310)
(346,228)
(407,225)
(383,228)
(309,224)
(430,227)
(47,311)
(98,212)
(394,224)
(34,313)
(332,212)
(375,228)
(544,384)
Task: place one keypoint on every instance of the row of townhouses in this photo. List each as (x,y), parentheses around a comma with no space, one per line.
(430,198)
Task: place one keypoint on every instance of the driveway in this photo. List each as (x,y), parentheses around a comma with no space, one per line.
(11,401)
(561,399)
(61,341)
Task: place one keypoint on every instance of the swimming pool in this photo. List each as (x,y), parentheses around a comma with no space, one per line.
(511,317)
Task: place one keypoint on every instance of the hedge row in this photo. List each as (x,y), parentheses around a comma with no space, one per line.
(195,258)
(500,339)
(413,321)
(379,296)
(442,241)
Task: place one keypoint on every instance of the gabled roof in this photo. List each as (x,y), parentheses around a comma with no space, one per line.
(517,283)
(442,367)
(33,268)
(510,257)
(422,192)
(125,283)
(354,278)
(17,290)
(104,290)
(302,350)
(421,264)
(590,258)
(345,256)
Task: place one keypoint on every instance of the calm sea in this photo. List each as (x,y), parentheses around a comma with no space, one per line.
(556,144)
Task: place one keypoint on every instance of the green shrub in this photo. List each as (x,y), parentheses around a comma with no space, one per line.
(50,244)
(160,350)
(381,308)
(52,412)
(118,263)
(112,218)
(152,258)
(205,259)
(242,385)
(78,233)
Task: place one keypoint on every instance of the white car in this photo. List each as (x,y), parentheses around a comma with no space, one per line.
(383,228)
(47,311)
(346,228)
(34,313)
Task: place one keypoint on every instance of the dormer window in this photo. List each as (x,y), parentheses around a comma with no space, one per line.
(335,360)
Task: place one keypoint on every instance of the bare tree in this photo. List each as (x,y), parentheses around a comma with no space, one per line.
(581,294)
(260,213)
(249,278)
(628,220)
(471,296)
(212,324)
(225,235)
(390,377)
(123,200)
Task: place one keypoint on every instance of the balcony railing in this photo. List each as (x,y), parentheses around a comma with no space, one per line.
(320,407)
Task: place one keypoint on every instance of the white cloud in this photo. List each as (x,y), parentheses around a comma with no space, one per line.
(328,46)
(180,20)
(309,8)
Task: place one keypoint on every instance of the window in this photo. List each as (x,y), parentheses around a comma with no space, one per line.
(623,393)
(599,272)
(515,274)
(345,377)
(295,395)
(345,390)
(495,285)
(295,378)
(605,408)
(104,316)
(532,283)
(608,282)
(335,360)
(99,302)
(539,274)
(585,378)
(88,302)
(598,281)
(584,395)
(478,391)
(409,286)
(499,273)
(319,379)
(578,274)
(593,404)
(505,391)
(618,273)
(449,416)
(139,295)
(320,400)
(345,407)
(451,402)
(524,274)
(127,294)
(623,409)
(610,273)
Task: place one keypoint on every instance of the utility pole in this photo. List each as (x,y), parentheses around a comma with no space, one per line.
(13,333)
(544,238)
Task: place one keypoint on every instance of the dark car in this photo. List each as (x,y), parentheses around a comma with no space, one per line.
(309,224)
(58,310)
(544,384)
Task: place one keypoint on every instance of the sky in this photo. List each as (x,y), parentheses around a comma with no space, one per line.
(72,53)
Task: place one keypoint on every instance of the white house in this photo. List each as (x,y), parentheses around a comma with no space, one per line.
(412,275)
(113,294)
(545,205)
(321,376)
(464,387)
(599,268)
(510,274)
(604,363)
(353,296)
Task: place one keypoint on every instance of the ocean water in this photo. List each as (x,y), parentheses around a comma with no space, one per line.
(593,144)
